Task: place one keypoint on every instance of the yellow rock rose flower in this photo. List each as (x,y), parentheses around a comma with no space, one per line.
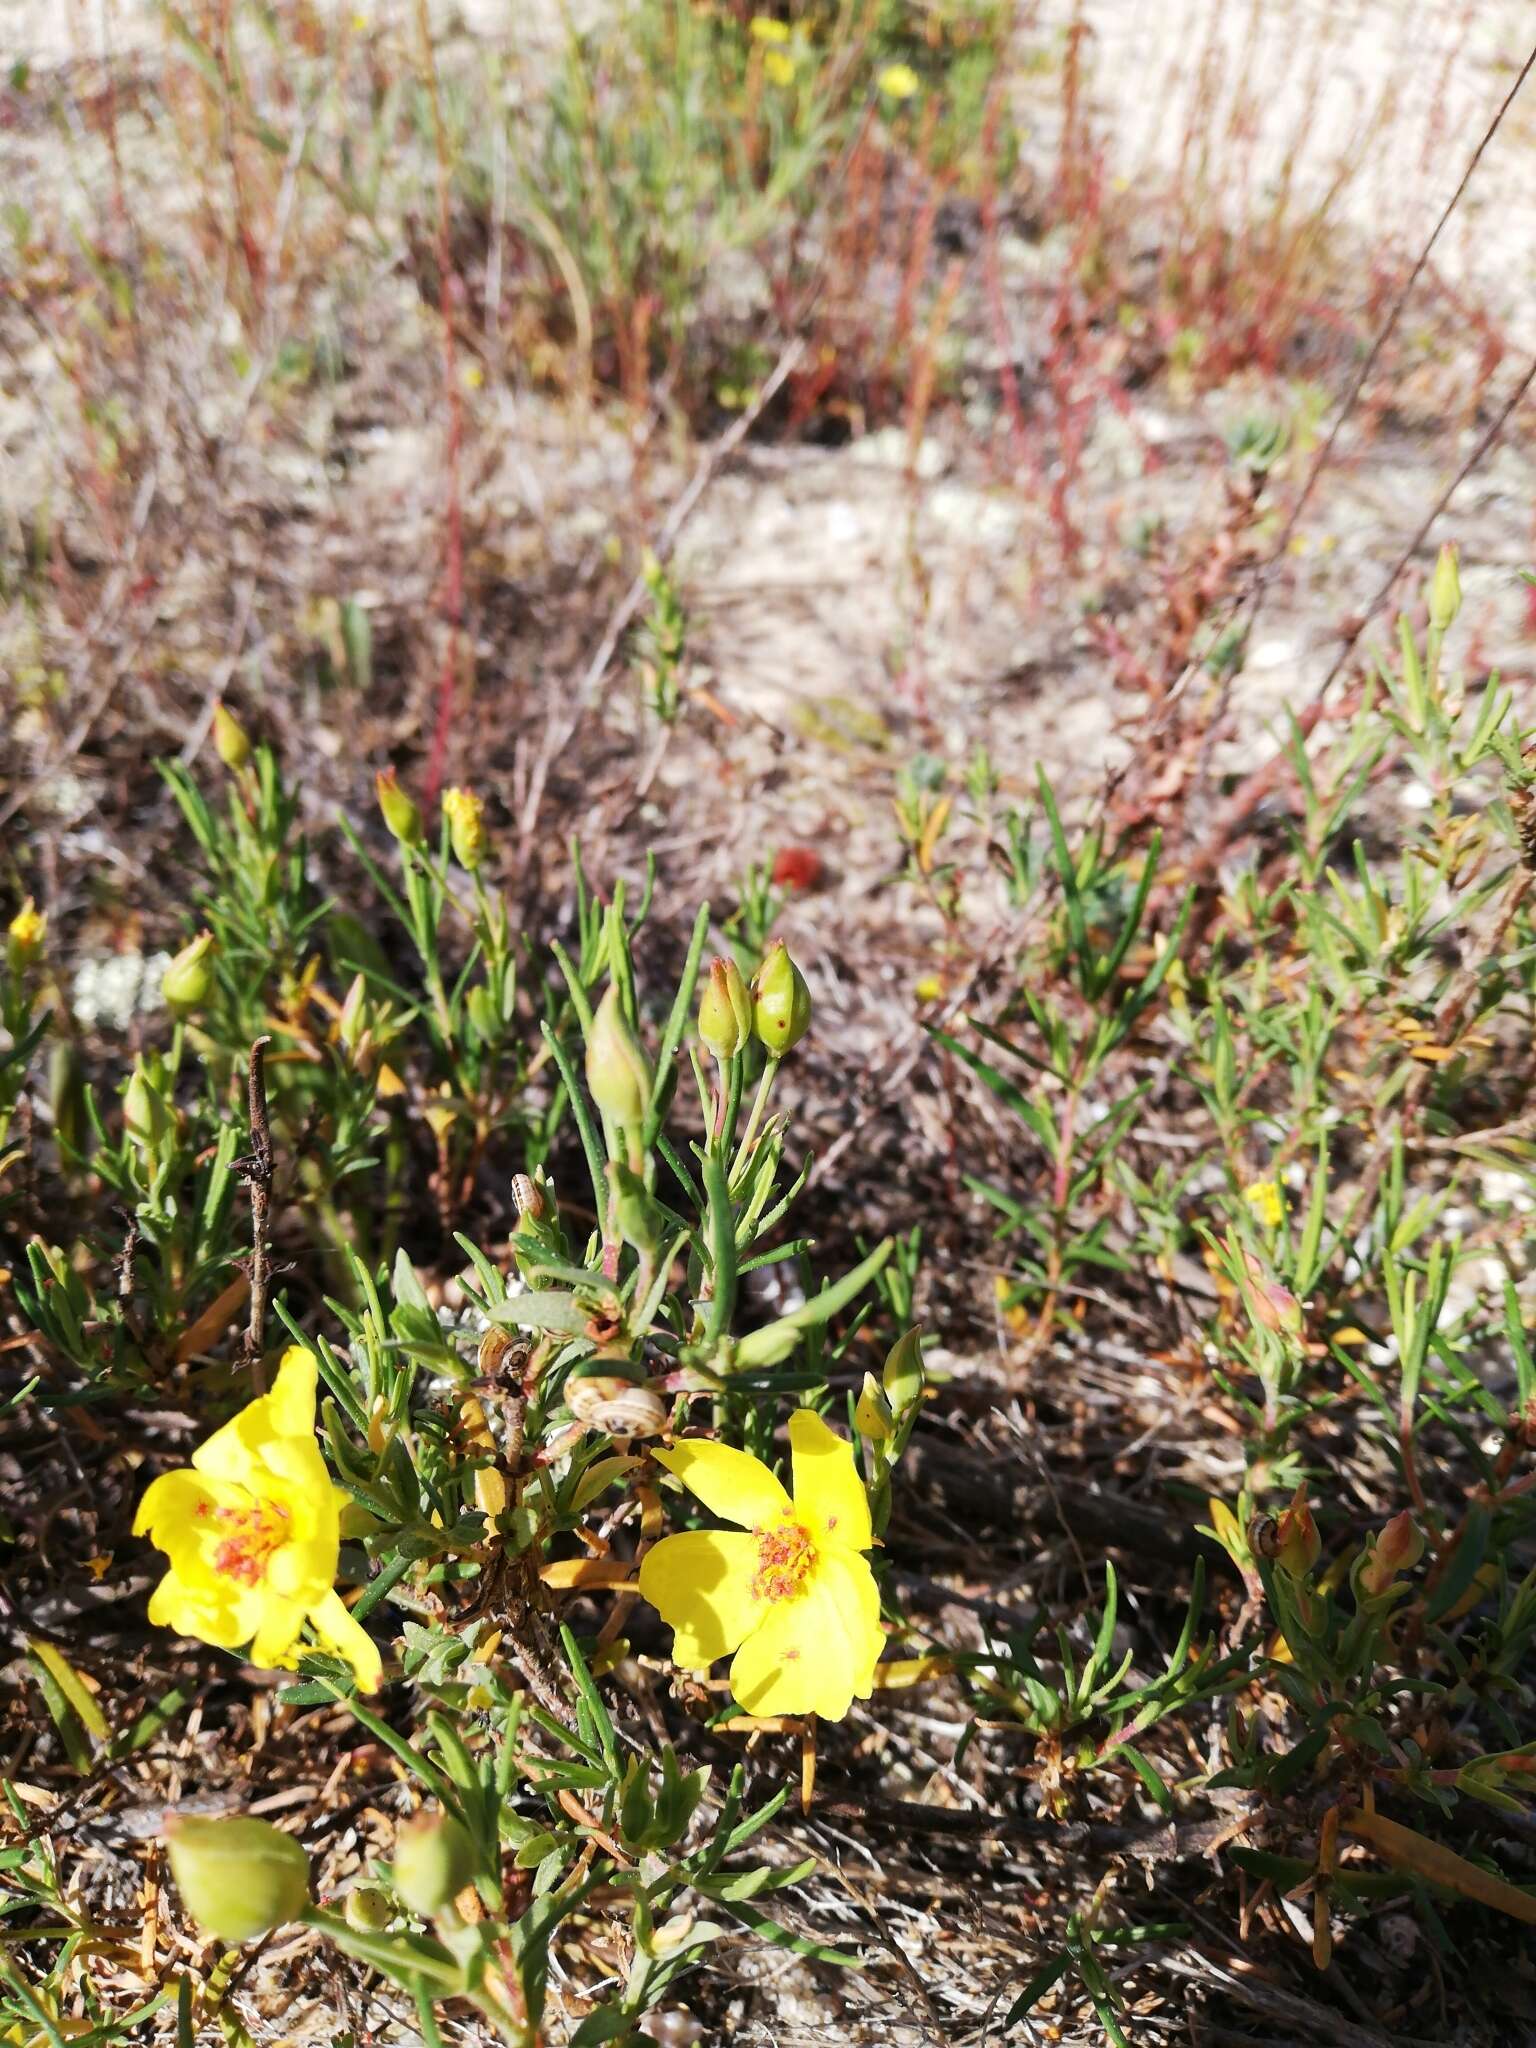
(789,1592)
(253,1531)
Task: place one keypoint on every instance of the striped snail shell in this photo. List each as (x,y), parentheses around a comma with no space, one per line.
(502,1351)
(619,1407)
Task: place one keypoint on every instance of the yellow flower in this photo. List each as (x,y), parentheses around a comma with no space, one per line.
(25,934)
(898,81)
(789,1591)
(1267,1203)
(766,30)
(252,1532)
(780,67)
(466,826)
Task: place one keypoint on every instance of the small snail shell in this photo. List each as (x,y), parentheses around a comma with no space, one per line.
(501,1352)
(618,1406)
(528,1196)
(1264,1536)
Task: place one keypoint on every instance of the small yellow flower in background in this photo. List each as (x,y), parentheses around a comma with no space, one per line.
(466,826)
(253,1532)
(780,67)
(766,30)
(1267,1202)
(788,1594)
(25,935)
(898,81)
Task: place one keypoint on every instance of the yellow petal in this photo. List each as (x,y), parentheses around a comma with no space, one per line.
(829,1494)
(739,1488)
(286,1415)
(214,1612)
(817,1654)
(700,1583)
(276,1633)
(170,1503)
(291,1403)
(340,1631)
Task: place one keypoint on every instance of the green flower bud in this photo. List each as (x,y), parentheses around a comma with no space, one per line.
(639,1220)
(352,1021)
(434,1861)
(870,1414)
(230,741)
(1298,1546)
(725,1010)
(466,827)
(400,814)
(618,1072)
(902,1375)
(483,1014)
(367,1910)
(1445,589)
(238,1878)
(146,1114)
(1397,1549)
(188,982)
(781,1014)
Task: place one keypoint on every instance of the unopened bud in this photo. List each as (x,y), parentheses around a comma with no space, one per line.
(434,1861)
(230,740)
(618,1072)
(1297,1543)
(367,1910)
(24,936)
(400,813)
(639,1220)
(1445,589)
(352,1020)
(902,1375)
(1397,1549)
(725,1010)
(466,826)
(781,1013)
(238,1878)
(871,1414)
(146,1114)
(1274,1306)
(188,982)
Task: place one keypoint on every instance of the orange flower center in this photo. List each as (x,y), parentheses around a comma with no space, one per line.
(254,1533)
(786,1557)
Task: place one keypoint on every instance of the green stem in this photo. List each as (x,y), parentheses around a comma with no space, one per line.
(758,1105)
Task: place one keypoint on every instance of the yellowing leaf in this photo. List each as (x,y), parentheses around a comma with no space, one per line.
(1411,1851)
(74,1688)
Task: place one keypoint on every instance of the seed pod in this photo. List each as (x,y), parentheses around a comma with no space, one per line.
(238,1878)
(618,1407)
(367,1909)
(188,981)
(434,1861)
(781,1012)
